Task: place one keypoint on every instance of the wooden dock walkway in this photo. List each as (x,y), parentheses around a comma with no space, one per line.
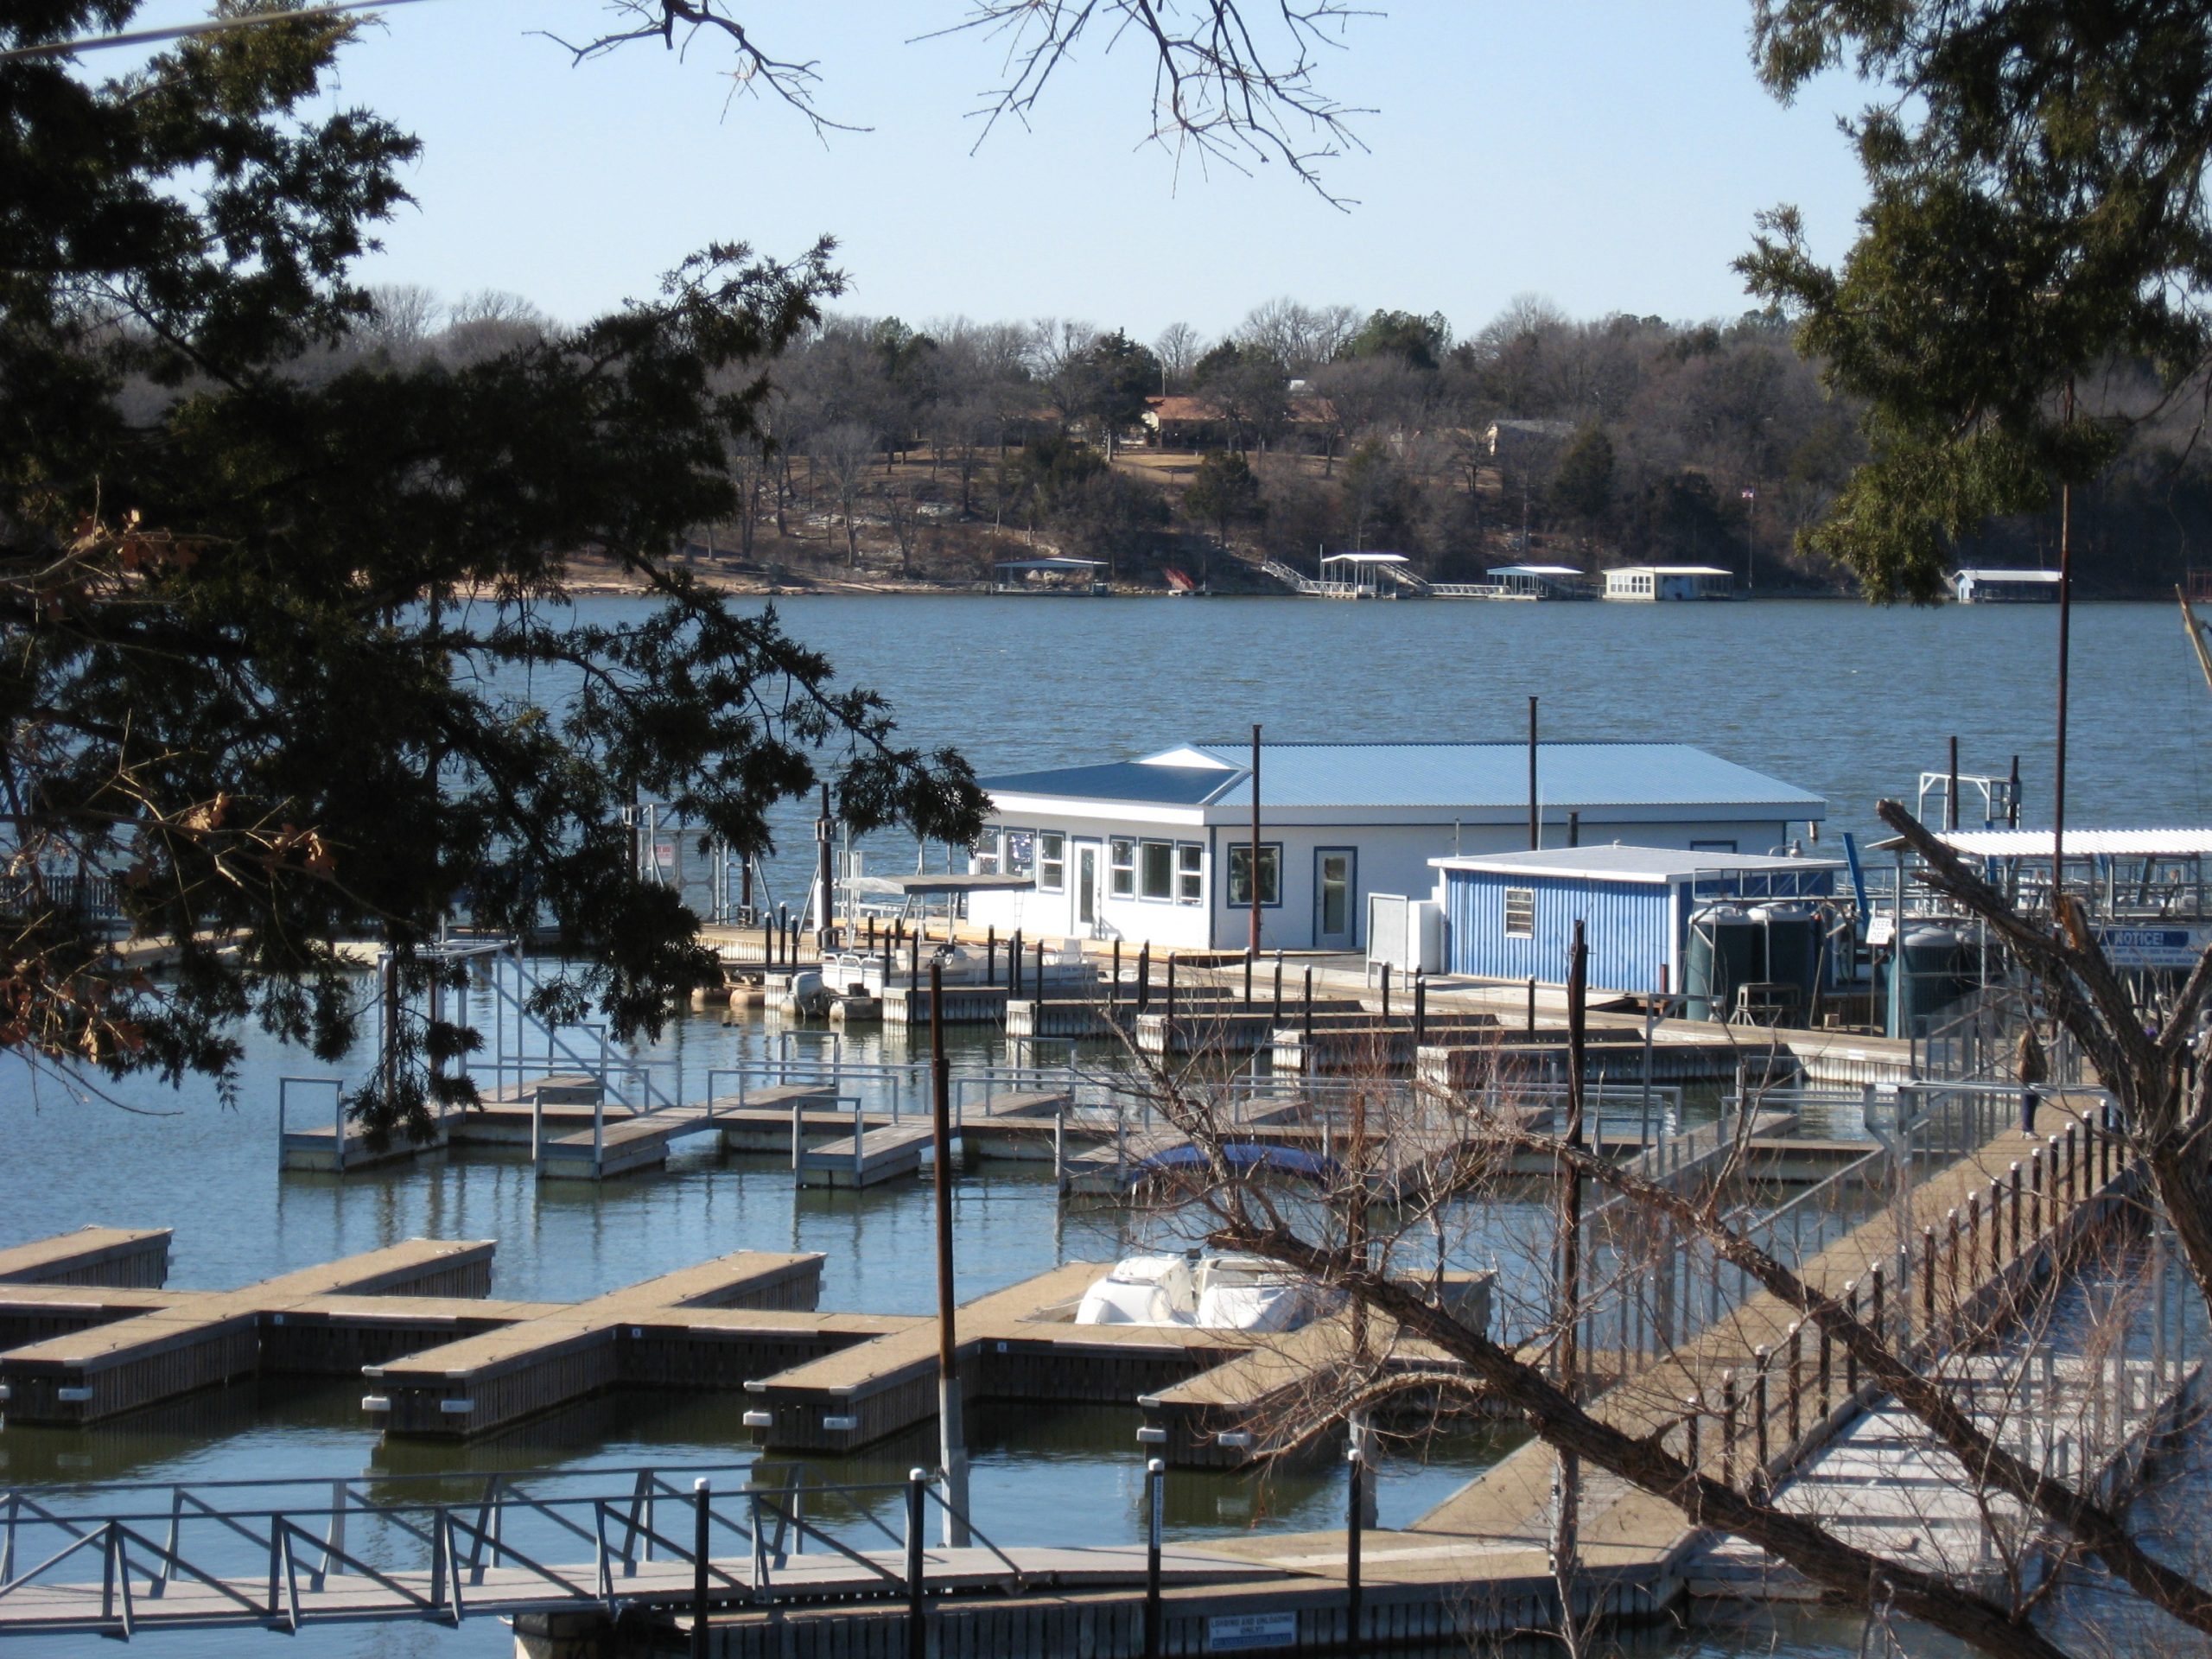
(865,1157)
(488,1380)
(119,1365)
(116,1257)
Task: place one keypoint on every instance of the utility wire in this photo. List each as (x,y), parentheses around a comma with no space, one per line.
(183,31)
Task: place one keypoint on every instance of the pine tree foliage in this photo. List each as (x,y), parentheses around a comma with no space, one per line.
(287,652)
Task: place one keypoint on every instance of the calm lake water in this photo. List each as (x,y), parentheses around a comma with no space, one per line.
(1832,696)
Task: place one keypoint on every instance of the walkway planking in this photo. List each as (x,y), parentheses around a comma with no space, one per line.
(294,1593)
(488,1380)
(864,1157)
(1020,1342)
(118,1257)
(120,1365)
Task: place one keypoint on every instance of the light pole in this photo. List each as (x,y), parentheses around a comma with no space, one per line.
(1750,507)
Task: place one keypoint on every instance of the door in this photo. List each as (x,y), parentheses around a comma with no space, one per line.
(1086,885)
(1336,890)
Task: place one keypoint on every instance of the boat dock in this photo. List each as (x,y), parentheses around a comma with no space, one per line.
(194,1342)
(119,1257)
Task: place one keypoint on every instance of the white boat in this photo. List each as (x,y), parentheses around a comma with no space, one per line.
(1207,1293)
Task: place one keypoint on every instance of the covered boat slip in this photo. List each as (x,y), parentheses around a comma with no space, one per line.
(1050,575)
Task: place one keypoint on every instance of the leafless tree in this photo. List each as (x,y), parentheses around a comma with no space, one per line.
(843,451)
(1178,348)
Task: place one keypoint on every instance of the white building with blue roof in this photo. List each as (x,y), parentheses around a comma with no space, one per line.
(1158,848)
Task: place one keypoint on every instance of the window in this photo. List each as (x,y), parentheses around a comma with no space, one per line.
(1190,874)
(1240,875)
(1021,846)
(1121,862)
(1519,913)
(1052,861)
(1158,868)
(983,856)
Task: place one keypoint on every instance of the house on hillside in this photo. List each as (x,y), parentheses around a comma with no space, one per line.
(1159,848)
(1184,422)
(1526,443)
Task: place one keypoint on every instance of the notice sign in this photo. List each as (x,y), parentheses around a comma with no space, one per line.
(1247,1632)
(2153,947)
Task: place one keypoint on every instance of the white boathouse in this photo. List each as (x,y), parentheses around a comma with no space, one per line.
(1648,582)
(1988,587)
(1158,848)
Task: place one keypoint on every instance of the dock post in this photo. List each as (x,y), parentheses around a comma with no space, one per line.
(1354,1515)
(1309,1022)
(1386,993)
(1039,1029)
(700,1492)
(917,1634)
(1013,964)
(991,954)
(952,1443)
(1155,1480)
(1278,987)
(1421,1008)
(1171,1002)
(1144,976)
(1113,985)
(1248,979)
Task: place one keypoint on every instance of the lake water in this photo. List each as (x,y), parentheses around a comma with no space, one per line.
(1832,696)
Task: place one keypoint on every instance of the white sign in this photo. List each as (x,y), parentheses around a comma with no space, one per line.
(2153,947)
(1241,1632)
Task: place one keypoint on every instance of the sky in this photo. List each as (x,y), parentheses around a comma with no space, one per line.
(1609,155)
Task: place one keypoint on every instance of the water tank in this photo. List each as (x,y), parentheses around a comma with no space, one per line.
(1725,951)
(1792,944)
(1934,971)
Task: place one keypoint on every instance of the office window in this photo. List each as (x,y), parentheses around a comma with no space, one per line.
(1190,874)
(1240,875)
(1156,865)
(1021,846)
(1519,913)
(1052,861)
(1121,862)
(983,856)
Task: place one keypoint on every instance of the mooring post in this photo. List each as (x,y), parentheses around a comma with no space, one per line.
(1927,1282)
(1278,1017)
(1144,976)
(918,1632)
(991,954)
(701,1500)
(1039,1030)
(1385,993)
(1013,964)
(1354,1515)
(1170,1003)
(1421,1008)
(1156,1481)
(1113,985)
(1797,1384)
(1308,994)
(1727,1428)
(951,1435)
(1248,979)
(1532,1005)
(1759,1450)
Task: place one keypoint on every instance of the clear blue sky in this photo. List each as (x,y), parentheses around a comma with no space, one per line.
(1608,154)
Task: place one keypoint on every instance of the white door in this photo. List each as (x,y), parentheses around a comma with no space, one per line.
(1336,891)
(1086,886)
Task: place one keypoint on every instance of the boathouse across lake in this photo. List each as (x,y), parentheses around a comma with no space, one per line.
(1158,848)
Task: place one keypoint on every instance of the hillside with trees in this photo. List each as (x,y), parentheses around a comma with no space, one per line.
(899,454)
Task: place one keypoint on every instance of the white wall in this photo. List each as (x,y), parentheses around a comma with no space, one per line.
(1391,858)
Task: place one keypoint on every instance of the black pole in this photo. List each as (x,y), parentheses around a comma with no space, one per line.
(917,1631)
(1278,987)
(1421,1008)
(1113,985)
(1013,964)
(1144,976)
(1951,788)
(1535,829)
(1353,1506)
(2012,797)
(824,923)
(1170,989)
(991,954)
(1040,992)
(1252,944)
(1155,1477)
(1309,1019)
(1386,993)
(951,1430)
(700,1499)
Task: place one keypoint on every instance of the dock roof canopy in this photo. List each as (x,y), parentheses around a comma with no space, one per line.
(1365,558)
(1617,863)
(1987,573)
(1675,569)
(1069,566)
(2079,844)
(1533,571)
(1473,777)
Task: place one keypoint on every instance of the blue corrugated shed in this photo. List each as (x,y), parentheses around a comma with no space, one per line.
(1634,903)
(1570,777)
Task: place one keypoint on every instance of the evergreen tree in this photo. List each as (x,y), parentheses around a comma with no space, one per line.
(274,605)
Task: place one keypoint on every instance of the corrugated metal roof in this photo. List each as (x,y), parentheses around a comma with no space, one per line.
(2079,844)
(1626,863)
(1569,776)
(1133,781)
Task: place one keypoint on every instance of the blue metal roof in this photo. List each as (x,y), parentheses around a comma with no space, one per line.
(1117,780)
(1570,777)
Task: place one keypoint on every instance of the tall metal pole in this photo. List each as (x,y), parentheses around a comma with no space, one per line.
(2065,628)
(1566,1474)
(952,1441)
(1951,797)
(822,827)
(1535,832)
(1252,946)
